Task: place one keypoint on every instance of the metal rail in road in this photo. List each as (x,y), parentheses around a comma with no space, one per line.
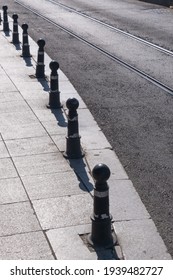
(127,34)
(144,75)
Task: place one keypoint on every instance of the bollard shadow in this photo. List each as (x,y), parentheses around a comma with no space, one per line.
(58,113)
(7,33)
(27,60)
(106,254)
(103,253)
(79,167)
(44,83)
(17,46)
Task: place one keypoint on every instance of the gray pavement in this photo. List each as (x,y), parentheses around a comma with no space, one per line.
(46,201)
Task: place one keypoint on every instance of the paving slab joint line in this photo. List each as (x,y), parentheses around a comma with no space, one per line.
(29,200)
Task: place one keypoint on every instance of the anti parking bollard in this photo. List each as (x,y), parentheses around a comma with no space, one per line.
(40,59)
(25,44)
(5,19)
(0,19)
(101,232)
(73,147)
(54,94)
(15,35)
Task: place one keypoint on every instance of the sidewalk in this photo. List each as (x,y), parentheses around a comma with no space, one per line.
(46,201)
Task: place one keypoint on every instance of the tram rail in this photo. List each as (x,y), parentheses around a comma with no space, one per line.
(113,57)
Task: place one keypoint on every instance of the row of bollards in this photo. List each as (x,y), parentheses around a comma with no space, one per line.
(15,34)
(101,230)
(5,19)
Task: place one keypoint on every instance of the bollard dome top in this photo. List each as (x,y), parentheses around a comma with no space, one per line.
(101,173)
(5,8)
(15,16)
(54,65)
(25,27)
(72,103)
(41,42)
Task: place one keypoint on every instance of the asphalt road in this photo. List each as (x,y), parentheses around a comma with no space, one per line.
(135,115)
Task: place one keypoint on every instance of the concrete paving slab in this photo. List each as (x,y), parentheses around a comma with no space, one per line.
(135,238)
(6,43)
(3,151)
(52,116)
(57,127)
(41,164)
(109,158)
(94,139)
(7,86)
(85,117)
(30,146)
(82,170)
(78,249)
(27,246)
(4,78)
(34,94)
(67,87)
(20,125)
(18,130)
(62,76)
(27,85)
(7,169)
(52,185)
(90,139)
(15,72)
(12,191)
(40,103)
(17,218)
(64,211)
(13,106)
(12,62)
(124,201)
(24,77)
(6,96)
(68,245)
(13,118)
(36,83)
(61,141)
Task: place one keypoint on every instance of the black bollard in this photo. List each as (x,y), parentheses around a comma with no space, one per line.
(25,44)
(40,59)
(0,19)
(54,94)
(15,35)
(73,147)
(101,233)
(5,19)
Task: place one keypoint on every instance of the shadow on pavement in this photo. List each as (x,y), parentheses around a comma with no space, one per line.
(79,167)
(58,113)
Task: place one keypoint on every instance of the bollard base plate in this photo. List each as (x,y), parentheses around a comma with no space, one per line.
(73,148)
(54,100)
(71,156)
(25,55)
(109,245)
(58,106)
